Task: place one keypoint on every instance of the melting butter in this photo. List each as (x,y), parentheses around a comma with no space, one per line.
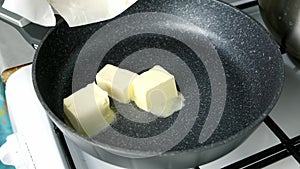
(116,82)
(88,110)
(155,91)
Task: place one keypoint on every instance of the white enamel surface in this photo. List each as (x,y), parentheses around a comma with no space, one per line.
(287,111)
(288,162)
(31,123)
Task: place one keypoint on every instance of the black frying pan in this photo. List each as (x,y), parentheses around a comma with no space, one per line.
(225,64)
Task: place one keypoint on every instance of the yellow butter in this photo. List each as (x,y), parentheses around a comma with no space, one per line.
(117,82)
(88,110)
(155,91)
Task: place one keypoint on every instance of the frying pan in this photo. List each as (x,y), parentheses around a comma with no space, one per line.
(226,65)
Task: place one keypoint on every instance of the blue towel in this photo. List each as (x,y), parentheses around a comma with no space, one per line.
(5,126)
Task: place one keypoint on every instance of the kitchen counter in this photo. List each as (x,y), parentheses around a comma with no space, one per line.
(5,125)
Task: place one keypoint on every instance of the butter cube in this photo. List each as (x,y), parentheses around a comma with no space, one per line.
(88,110)
(117,82)
(155,91)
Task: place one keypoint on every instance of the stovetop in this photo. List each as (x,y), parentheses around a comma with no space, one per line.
(275,143)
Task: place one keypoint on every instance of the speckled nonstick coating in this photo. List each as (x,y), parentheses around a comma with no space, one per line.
(252,64)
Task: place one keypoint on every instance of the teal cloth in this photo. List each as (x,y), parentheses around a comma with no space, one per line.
(5,126)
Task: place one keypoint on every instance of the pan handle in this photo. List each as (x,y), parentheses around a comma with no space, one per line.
(31,32)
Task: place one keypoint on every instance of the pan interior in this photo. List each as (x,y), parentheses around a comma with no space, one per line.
(135,129)
(70,58)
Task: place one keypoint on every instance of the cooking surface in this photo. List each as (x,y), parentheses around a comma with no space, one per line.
(268,137)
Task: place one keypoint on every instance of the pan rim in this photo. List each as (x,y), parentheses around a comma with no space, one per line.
(108,147)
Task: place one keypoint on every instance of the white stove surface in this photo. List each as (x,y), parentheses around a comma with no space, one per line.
(34,137)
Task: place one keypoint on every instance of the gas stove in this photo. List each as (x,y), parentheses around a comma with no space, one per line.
(274,144)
